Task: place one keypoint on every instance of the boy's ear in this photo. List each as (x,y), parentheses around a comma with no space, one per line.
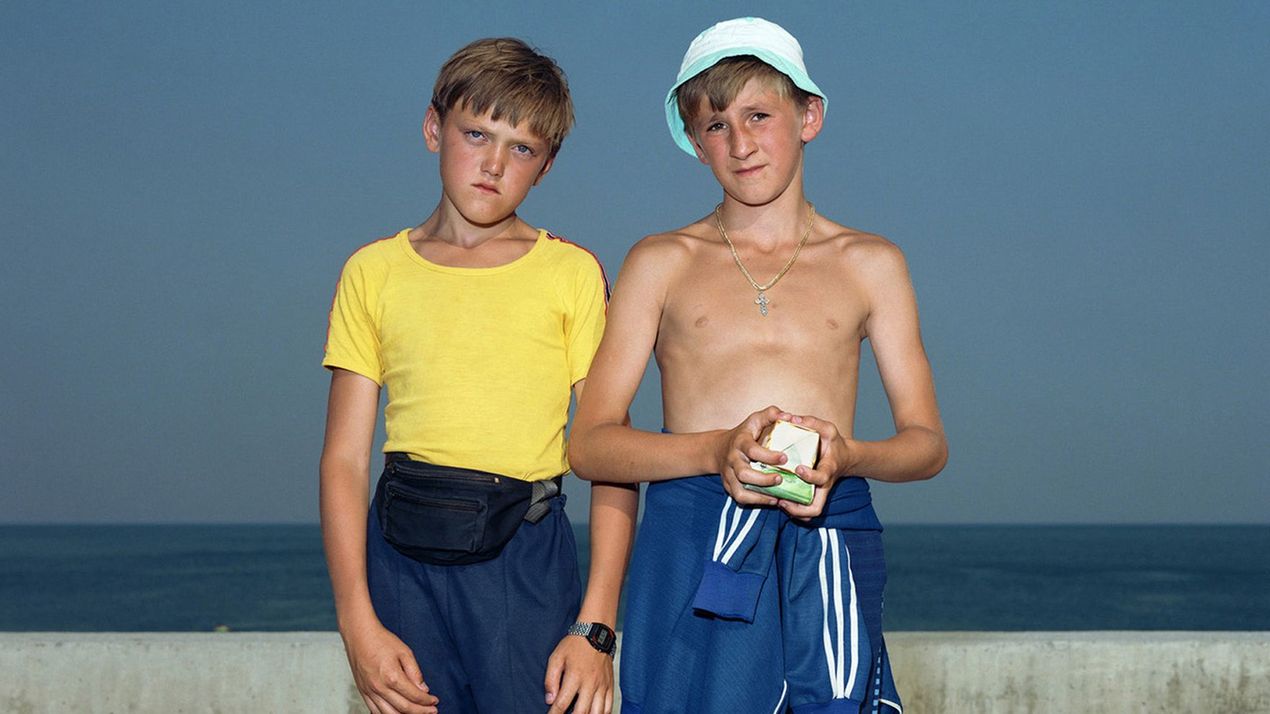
(545,168)
(432,130)
(813,118)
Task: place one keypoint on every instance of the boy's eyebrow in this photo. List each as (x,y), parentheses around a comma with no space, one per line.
(745,108)
(516,134)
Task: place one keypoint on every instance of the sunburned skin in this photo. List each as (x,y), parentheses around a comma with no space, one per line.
(728,371)
(721,359)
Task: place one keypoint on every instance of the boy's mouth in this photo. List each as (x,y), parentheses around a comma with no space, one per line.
(485,188)
(749,171)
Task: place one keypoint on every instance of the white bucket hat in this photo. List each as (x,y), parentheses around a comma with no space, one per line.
(743,36)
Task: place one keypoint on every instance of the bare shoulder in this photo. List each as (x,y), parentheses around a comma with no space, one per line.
(669,253)
(869,256)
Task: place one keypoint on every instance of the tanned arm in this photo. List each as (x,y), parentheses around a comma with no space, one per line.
(919,449)
(604,447)
(576,671)
(384,669)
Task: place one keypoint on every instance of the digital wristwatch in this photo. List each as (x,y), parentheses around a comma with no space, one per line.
(600,635)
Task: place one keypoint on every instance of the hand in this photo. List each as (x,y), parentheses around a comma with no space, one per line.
(578,670)
(834,461)
(740,447)
(386,673)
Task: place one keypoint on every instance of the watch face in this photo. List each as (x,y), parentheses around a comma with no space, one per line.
(603,637)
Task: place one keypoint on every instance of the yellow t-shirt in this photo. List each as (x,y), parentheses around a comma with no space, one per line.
(478,362)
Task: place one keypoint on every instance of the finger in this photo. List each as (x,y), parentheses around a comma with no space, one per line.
(608,700)
(757,478)
(586,699)
(736,489)
(398,702)
(773,414)
(413,673)
(827,429)
(568,690)
(753,499)
(551,683)
(739,462)
(370,704)
(801,512)
(764,455)
(817,477)
(403,692)
(382,706)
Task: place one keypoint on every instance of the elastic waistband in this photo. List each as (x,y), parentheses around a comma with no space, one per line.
(850,505)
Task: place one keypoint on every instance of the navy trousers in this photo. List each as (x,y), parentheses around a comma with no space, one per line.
(482,633)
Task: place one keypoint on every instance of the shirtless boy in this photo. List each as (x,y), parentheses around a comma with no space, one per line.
(738,601)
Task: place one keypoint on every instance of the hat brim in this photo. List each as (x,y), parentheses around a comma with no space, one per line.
(796,74)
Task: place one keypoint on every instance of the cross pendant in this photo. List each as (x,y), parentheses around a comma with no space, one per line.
(762,302)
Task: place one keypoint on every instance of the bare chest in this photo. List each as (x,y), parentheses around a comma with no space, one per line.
(713,311)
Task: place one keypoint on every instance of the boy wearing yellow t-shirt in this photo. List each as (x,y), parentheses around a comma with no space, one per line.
(460,590)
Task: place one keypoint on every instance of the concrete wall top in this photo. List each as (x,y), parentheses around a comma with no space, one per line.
(962,672)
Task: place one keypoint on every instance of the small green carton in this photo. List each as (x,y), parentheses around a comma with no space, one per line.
(800,446)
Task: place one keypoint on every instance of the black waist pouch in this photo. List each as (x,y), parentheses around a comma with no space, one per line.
(446,515)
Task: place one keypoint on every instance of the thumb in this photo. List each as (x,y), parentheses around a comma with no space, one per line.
(555,670)
(411,668)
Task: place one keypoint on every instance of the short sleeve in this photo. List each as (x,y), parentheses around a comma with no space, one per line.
(584,319)
(352,337)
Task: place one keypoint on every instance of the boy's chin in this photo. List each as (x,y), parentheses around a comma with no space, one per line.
(754,193)
(754,196)
(485,214)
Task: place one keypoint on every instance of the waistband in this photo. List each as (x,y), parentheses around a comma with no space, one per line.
(849,506)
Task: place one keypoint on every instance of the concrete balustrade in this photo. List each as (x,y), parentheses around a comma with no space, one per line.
(965,672)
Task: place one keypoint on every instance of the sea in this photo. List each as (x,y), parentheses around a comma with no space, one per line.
(1006,578)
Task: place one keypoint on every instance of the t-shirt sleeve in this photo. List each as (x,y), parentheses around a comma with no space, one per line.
(584,320)
(352,338)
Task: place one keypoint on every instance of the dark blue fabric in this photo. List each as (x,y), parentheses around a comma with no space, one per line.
(482,632)
(677,659)
(727,593)
(732,578)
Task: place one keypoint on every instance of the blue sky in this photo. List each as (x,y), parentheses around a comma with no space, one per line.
(1082,191)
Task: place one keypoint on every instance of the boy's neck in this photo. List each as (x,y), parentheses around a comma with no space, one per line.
(445,238)
(769,226)
(448,226)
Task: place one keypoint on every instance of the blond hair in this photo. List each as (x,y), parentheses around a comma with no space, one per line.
(721,83)
(512,81)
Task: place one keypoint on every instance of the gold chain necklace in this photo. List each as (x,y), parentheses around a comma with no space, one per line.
(762,300)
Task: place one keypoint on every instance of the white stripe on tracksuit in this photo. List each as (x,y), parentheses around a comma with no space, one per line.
(727,536)
(840,615)
(835,657)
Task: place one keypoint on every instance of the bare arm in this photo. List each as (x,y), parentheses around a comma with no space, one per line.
(383,667)
(603,446)
(576,670)
(614,507)
(918,450)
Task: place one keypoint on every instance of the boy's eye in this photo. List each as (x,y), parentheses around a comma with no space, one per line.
(474,134)
(760,116)
(715,126)
(524,150)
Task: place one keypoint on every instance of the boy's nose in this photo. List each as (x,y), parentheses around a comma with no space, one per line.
(741,144)
(493,163)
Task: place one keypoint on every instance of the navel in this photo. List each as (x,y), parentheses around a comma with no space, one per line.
(702,321)
(831,323)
